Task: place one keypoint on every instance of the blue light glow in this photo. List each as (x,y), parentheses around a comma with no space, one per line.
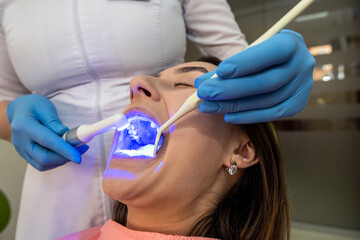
(172,128)
(158,167)
(138,139)
(116,173)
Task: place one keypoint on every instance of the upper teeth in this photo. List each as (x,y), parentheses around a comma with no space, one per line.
(133,134)
(132,129)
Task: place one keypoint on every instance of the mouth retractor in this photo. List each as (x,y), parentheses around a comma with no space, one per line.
(138,139)
(193,101)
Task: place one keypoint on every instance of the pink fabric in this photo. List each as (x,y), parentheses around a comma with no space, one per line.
(113,231)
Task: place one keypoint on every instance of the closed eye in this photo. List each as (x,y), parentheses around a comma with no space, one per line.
(175,84)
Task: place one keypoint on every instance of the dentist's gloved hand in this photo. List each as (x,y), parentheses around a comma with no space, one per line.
(36,133)
(266,82)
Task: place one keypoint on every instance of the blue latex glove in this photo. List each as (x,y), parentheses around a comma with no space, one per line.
(36,133)
(266,82)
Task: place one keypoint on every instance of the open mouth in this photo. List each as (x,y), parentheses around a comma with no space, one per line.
(138,139)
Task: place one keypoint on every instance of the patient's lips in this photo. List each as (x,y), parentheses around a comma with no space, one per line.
(138,139)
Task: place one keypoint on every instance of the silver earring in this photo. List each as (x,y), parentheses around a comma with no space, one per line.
(232,169)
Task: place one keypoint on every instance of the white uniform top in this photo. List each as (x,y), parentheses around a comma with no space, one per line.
(81,55)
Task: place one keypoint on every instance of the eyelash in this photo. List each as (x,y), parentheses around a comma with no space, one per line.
(181,84)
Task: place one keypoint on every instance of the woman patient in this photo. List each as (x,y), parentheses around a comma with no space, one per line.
(209,179)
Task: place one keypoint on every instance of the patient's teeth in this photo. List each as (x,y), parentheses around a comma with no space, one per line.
(136,130)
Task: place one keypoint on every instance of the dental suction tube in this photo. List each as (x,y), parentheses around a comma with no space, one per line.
(194,101)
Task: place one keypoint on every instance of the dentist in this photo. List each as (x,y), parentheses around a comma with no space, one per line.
(66,63)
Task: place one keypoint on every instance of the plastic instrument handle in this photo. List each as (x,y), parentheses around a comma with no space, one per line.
(85,133)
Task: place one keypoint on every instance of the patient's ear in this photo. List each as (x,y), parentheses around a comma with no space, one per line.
(245,155)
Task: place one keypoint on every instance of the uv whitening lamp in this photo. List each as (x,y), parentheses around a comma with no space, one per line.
(134,136)
(85,133)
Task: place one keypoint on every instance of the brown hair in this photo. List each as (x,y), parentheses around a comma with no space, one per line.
(256,207)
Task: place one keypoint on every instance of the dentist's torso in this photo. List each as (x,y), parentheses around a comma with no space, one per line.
(81,54)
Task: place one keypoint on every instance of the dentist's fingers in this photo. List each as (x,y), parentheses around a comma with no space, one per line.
(276,50)
(262,82)
(260,101)
(47,115)
(44,159)
(204,77)
(53,142)
(34,163)
(279,111)
(82,149)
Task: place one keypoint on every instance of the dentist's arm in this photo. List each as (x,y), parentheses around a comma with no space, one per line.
(4,123)
(29,121)
(266,82)
(211,26)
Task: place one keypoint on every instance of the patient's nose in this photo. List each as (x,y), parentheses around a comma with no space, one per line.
(142,86)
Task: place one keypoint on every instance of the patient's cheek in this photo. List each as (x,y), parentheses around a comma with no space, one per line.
(175,99)
(197,128)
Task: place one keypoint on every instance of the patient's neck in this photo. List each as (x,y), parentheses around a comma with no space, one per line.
(176,218)
(166,221)
(174,213)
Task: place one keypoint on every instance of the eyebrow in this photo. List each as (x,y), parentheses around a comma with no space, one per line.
(187,69)
(190,69)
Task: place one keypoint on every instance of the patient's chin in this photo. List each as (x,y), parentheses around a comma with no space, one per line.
(118,191)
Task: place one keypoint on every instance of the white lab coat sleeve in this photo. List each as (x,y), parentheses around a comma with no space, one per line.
(10,85)
(211,26)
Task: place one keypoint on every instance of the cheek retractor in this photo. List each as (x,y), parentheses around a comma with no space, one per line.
(138,139)
(193,101)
